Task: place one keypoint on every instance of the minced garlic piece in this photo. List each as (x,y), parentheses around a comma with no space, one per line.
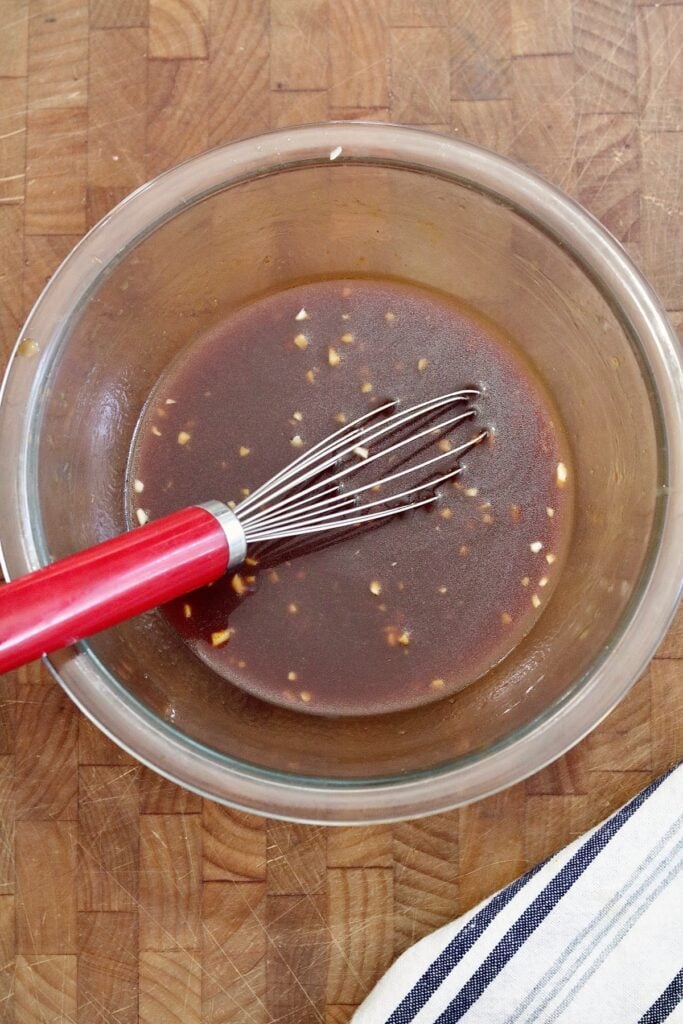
(244,451)
(298,416)
(138,486)
(220,637)
(550,558)
(389,316)
(296,441)
(301,341)
(301,315)
(141,516)
(422,365)
(550,512)
(444,445)
(561,474)
(306,696)
(340,418)
(535,546)
(361,452)
(543,582)
(238,584)
(506,618)
(292,677)
(376,588)
(155,430)
(404,638)
(333,357)
(292,608)
(183,437)
(471,492)
(437,684)
(535,600)
(366,388)
(187,610)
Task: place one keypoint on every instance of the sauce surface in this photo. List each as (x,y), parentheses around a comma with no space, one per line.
(382,619)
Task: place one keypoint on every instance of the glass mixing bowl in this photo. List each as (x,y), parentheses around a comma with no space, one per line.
(342,200)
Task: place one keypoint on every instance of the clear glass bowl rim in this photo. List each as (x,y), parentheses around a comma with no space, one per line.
(643,624)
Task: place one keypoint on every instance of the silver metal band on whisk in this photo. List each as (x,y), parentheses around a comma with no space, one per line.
(232,528)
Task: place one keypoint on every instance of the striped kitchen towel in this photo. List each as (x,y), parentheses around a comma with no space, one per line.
(594,935)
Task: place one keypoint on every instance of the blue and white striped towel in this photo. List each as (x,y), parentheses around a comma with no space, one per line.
(594,935)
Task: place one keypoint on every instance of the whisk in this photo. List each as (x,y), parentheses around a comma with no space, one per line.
(318,491)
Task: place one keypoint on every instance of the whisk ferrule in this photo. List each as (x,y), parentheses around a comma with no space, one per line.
(233,530)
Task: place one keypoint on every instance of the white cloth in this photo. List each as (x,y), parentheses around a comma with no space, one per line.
(594,935)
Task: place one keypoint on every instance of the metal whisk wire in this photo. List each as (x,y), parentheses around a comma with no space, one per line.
(283,508)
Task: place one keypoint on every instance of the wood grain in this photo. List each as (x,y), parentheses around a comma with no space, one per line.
(177,112)
(420,82)
(296,858)
(45,989)
(122,897)
(178,28)
(108,967)
(8,805)
(12,139)
(296,957)
(46,765)
(361,930)
(118,13)
(480,50)
(46,882)
(608,172)
(298,44)
(532,33)
(605,56)
(234,952)
(170,869)
(116,128)
(170,988)
(7,957)
(426,871)
(239,69)
(12,256)
(358,53)
(369,846)
(56,169)
(159,796)
(233,845)
(14,50)
(58,54)
(109,838)
(660,78)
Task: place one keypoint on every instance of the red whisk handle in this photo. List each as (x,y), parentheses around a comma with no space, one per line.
(94,589)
